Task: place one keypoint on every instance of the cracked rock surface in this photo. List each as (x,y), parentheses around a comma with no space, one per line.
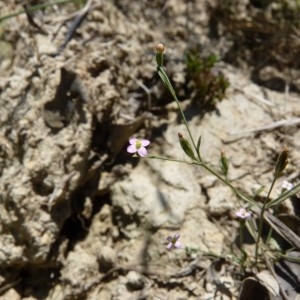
(80,218)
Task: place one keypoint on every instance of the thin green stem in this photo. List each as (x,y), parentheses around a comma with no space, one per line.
(261,218)
(242,259)
(164,77)
(242,225)
(200,162)
(168,84)
(171,159)
(226,182)
(238,193)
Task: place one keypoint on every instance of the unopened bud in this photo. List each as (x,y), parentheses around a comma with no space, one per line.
(160,49)
(282,161)
(186,147)
(224,163)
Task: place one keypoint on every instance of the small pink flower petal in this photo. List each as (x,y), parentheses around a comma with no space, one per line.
(173,242)
(131,149)
(243,213)
(142,152)
(169,246)
(132,141)
(177,244)
(145,143)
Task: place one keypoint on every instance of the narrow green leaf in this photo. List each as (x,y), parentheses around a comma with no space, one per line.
(164,77)
(198,144)
(257,192)
(284,196)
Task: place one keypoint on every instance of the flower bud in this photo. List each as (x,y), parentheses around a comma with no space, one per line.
(160,49)
(282,161)
(186,147)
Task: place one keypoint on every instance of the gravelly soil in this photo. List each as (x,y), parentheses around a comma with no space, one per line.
(79,217)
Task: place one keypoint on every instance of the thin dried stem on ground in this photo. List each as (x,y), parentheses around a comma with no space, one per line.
(271,126)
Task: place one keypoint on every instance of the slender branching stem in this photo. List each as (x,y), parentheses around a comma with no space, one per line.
(168,84)
(261,218)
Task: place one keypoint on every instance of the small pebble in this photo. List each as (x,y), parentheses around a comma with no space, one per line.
(134,281)
(107,258)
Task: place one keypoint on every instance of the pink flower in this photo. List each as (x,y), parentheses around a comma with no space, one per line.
(243,213)
(138,146)
(173,242)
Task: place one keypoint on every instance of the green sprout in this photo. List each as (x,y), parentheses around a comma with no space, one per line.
(208,85)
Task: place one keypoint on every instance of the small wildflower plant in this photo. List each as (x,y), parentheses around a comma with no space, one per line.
(138,146)
(242,213)
(252,218)
(173,242)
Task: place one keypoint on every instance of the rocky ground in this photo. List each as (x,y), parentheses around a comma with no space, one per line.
(80,218)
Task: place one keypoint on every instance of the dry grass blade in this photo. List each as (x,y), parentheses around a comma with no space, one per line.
(283,230)
(33,8)
(274,125)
